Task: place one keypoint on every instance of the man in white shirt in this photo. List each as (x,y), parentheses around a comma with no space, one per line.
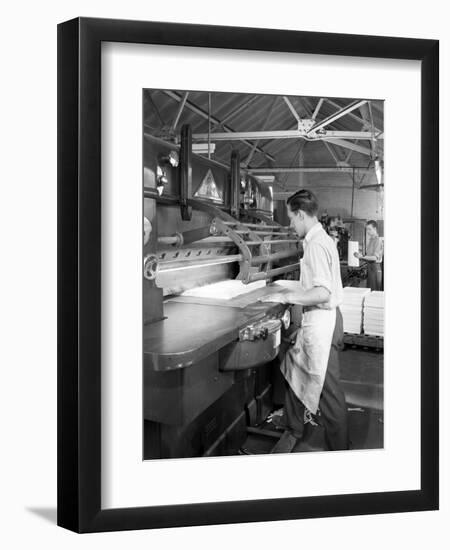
(311,365)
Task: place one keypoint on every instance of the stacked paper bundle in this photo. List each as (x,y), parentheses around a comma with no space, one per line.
(224,290)
(353,246)
(352,308)
(374,314)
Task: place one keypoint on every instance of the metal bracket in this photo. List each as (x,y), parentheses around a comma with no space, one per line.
(305,124)
(247,237)
(218,226)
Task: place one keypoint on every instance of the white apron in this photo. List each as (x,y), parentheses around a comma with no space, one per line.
(305,364)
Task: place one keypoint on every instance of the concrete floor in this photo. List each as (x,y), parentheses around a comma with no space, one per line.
(362,379)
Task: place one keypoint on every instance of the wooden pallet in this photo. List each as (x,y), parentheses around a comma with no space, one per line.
(364,340)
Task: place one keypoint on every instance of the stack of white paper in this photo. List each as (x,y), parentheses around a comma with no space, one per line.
(353,246)
(352,308)
(374,314)
(224,290)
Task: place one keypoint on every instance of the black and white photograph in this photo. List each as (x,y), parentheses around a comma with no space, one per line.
(233,333)
(263,273)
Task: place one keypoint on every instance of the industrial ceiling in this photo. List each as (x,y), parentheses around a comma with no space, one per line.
(298,141)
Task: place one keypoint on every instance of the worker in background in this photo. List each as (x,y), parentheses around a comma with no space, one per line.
(339,233)
(373,256)
(311,364)
(324,219)
(332,229)
(332,222)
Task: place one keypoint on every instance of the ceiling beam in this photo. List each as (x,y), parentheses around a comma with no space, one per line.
(285,144)
(295,158)
(376,105)
(150,100)
(350,145)
(283,195)
(284,134)
(255,144)
(350,153)
(306,108)
(309,170)
(330,150)
(192,107)
(317,109)
(351,115)
(291,108)
(304,102)
(235,111)
(338,114)
(179,111)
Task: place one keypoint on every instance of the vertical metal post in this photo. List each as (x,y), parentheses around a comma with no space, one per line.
(180,110)
(235,183)
(209,125)
(185,171)
(353,192)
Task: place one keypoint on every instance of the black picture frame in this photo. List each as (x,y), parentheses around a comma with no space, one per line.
(79,274)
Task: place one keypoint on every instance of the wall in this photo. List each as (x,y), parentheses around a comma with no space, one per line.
(28,299)
(334,192)
(367,204)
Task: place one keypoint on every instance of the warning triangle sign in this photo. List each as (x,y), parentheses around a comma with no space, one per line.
(208,188)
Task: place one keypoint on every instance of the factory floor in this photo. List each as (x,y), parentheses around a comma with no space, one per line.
(362,379)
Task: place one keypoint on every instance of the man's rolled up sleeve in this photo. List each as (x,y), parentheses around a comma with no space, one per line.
(378,252)
(320,262)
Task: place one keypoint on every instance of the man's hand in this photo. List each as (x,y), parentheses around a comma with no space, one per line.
(358,255)
(279,297)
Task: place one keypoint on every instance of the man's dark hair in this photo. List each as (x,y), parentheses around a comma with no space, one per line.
(373,223)
(303,200)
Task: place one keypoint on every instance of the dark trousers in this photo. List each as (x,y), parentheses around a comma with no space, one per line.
(374,276)
(332,405)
